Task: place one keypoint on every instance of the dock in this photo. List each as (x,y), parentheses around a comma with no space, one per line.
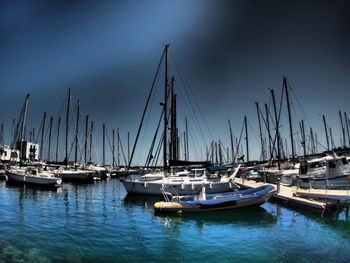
(322,201)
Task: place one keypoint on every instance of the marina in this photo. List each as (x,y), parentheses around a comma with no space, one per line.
(168,131)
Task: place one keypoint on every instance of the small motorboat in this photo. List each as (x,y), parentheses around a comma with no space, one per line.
(209,202)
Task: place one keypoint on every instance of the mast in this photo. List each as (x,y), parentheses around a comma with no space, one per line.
(261,138)
(220,153)
(331,136)
(2,134)
(188,152)
(277,129)
(58,136)
(174,143)
(103,142)
(347,128)
(42,138)
(77,133)
(268,129)
(342,128)
(302,131)
(50,131)
(23,124)
(113,148)
(325,129)
(67,126)
(289,118)
(165,167)
(231,137)
(312,141)
(128,147)
(185,150)
(118,147)
(86,137)
(90,152)
(246,137)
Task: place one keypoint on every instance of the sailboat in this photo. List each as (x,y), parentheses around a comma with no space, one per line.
(177,183)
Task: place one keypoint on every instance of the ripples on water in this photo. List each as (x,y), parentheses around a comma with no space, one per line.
(100,223)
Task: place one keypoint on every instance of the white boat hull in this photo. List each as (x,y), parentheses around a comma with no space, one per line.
(154,188)
(32,179)
(340,183)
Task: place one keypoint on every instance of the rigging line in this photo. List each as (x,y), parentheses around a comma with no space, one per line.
(150,157)
(144,111)
(300,106)
(121,147)
(186,102)
(62,105)
(110,145)
(194,98)
(238,144)
(194,147)
(160,144)
(147,118)
(224,150)
(280,109)
(197,126)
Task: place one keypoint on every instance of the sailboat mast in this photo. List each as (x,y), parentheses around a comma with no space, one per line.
(289,118)
(113,148)
(58,137)
(165,111)
(302,131)
(103,142)
(325,128)
(42,138)
(342,128)
(77,133)
(246,137)
(261,138)
(268,129)
(23,124)
(86,137)
(277,129)
(2,134)
(50,132)
(231,137)
(128,147)
(187,149)
(347,128)
(118,147)
(67,126)
(90,152)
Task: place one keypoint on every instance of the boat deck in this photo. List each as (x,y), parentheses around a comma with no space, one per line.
(304,198)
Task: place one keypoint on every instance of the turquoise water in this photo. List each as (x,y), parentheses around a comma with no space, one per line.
(100,223)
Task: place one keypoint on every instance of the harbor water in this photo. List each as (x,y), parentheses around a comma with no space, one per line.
(99,222)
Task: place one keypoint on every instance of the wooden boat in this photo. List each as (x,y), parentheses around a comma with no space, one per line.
(208,202)
(32,176)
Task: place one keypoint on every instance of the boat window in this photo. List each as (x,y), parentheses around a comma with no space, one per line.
(303,169)
(331,164)
(344,161)
(314,165)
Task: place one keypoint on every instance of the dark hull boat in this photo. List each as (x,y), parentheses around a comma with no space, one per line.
(231,200)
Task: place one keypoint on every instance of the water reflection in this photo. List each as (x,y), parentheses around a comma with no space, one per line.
(243,216)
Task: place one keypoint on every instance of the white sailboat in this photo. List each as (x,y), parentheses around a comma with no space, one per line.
(32,176)
(183,183)
(180,184)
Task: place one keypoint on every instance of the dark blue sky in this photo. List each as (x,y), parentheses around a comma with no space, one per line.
(229,53)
